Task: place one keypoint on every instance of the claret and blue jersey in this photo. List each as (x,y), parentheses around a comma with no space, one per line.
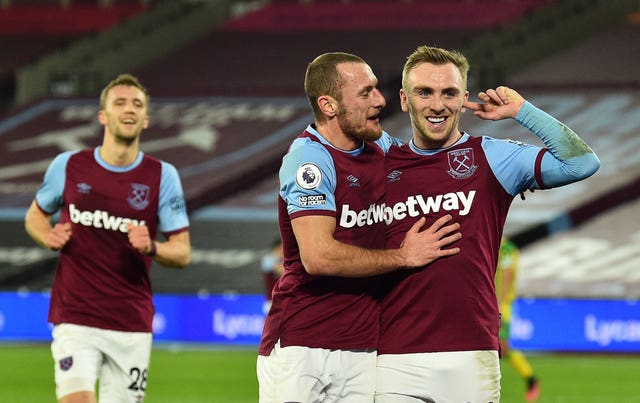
(327,312)
(451,305)
(99,200)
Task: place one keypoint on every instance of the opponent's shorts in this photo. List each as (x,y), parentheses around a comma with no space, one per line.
(118,360)
(447,377)
(308,375)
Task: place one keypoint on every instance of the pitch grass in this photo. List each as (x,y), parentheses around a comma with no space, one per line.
(217,375)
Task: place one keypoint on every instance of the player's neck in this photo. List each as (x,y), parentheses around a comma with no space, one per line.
(334,135)
(426,143)
(119,154)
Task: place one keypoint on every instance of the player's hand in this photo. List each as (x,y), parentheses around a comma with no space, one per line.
(139,238)
(58,236)
(501,103)
(423,247)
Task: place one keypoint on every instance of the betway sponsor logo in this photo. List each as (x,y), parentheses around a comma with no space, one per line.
(414,206)
(100,219)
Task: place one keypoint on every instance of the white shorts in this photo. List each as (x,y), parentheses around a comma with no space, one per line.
(447,377)
(119,360)
(312,375)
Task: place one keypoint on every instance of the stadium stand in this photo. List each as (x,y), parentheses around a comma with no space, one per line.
(383,15)
(23,49)
(82,68)
(583,65)
(31,29)
(245,86)
(283,37)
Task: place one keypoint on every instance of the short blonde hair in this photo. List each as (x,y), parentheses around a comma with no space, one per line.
(437,56)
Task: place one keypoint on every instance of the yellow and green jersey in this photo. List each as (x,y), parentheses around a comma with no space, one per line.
(506,275)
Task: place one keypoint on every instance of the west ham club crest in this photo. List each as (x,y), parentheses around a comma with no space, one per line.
(138,196)
(461,163)
(66,363)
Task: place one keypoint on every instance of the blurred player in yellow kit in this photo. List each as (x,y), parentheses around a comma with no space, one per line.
(506,274)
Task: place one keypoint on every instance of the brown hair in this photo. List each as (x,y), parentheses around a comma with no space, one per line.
(322,77)
(122,79)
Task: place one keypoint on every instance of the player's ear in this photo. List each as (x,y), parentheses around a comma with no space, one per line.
(328,105)
(465,99)
(102,118)
(403,101)
(146,122)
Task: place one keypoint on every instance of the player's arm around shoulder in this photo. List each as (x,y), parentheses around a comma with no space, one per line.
(322,254)
(386,141)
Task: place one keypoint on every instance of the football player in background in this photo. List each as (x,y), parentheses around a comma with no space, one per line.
(272,266)
(506,277)
(113,200)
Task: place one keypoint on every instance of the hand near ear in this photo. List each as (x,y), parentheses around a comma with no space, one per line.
(501,103)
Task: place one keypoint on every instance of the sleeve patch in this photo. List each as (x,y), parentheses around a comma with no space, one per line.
(308,176)
(312,200)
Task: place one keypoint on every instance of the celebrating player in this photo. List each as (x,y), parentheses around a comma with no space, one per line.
(439,326)
(321,332)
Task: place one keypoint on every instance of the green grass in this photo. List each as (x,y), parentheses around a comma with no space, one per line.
(212,375)
(206,375)
(578,379)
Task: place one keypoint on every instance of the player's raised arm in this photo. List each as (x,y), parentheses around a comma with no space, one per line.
(570,159)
